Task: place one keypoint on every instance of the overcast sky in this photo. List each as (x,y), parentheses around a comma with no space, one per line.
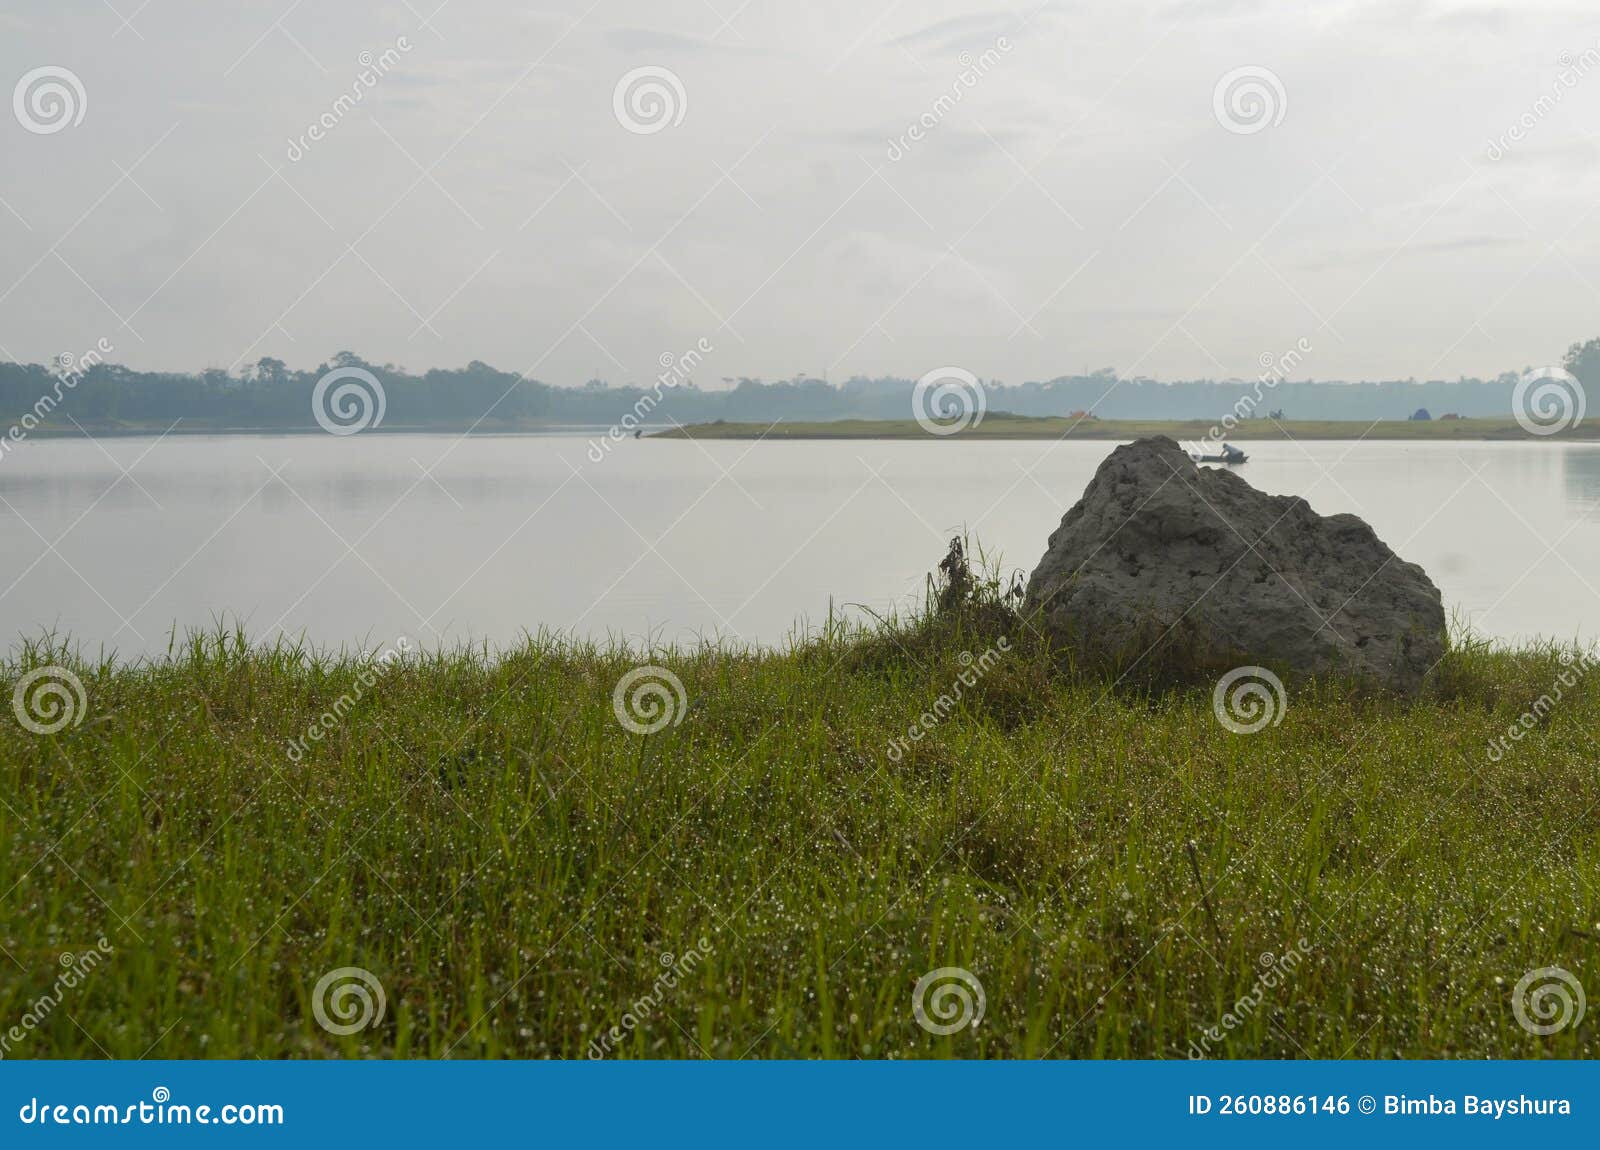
(1091,200)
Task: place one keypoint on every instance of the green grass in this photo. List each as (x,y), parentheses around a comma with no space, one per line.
(484,836)
(1003,425)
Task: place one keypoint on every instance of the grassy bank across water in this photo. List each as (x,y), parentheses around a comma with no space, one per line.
(997,425)
(518,870)
(1000,425)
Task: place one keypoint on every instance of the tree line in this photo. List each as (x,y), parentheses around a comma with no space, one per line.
(270,396)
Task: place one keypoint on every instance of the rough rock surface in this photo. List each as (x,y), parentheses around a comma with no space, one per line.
(1166,567)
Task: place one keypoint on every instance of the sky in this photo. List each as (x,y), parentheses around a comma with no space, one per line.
(821,188)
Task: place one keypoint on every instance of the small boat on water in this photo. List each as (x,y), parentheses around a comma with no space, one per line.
(1228,454)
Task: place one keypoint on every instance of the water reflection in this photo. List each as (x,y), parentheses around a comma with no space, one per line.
(1580,468)
(375,535)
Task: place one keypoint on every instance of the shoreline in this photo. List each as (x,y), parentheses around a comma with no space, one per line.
(1004,427)
(122,430)
(994,427)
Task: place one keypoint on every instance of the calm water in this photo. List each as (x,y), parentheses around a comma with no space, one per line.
(363,539)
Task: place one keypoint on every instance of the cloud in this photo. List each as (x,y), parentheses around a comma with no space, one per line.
(1207,10)
(1575,155)
(1491,19)
(1464,243)
(1100,103)
(647,41)
(422,73)
(963,33)
(1367,256)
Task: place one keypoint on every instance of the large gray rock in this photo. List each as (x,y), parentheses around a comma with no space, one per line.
(1164,567)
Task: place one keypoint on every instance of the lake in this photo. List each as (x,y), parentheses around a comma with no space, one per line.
(362,539)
